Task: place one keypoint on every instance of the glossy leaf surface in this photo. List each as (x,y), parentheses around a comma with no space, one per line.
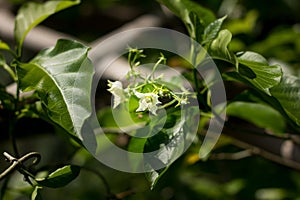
(60,177)
(287,92)
(62,77)
(31,14)
(261,115)
(257,71)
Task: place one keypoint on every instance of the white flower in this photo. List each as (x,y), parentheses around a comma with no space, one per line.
(148,101)
(116,89)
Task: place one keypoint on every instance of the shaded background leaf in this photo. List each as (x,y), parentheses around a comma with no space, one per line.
(261,115)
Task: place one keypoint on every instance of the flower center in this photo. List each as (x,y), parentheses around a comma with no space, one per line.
(148,99)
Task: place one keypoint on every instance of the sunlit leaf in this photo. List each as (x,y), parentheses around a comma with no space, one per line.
(7,68)
(258,72)
(272,193)
(31,14)
(60,177)
(182,8)
(244,25)
(219,47)
(212,30)
(194,16)
(154,176)
(36,194)
(4,46)
(170,142)
(62,78)
(287,92)
(267,117)
(120,120)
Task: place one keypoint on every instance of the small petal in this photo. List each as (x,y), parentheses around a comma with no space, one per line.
(116,89)
(148,101)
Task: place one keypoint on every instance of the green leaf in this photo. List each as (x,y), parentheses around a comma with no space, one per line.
(245,25)
(154,176)
(120,120)
(194,16)
(60,177)
(246,72)
(36,194)
(7,68)
(219,47)
(255,68)
(267,117)
(169,134)
(4,46)
(195,27)
(170,142)
(281,44)
(182,8)
(143,135)
(234,76)
(62,77)
(212,30)
(31,14)
(287,92)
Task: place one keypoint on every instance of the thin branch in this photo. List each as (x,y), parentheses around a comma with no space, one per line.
(265,146)
(232,156)
(17,164)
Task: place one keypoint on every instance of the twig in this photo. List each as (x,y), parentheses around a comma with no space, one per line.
(232,156)
(266,146)
(17,164)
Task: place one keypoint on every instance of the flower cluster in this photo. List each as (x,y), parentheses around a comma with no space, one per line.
(149,100)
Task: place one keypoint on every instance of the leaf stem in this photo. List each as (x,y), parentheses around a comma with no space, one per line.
(194,52)
(13,122)
(11,130)
(167,104)
(10,72)
(160,60)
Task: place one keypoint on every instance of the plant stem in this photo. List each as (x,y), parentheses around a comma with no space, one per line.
(194,52)
(13,122)
(17,163)
(11,130)
(168,104)
(10,71)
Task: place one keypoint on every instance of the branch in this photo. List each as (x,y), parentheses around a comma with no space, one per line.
(284,151)
(17,164)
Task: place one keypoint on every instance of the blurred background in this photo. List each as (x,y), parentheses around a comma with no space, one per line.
(271,28)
